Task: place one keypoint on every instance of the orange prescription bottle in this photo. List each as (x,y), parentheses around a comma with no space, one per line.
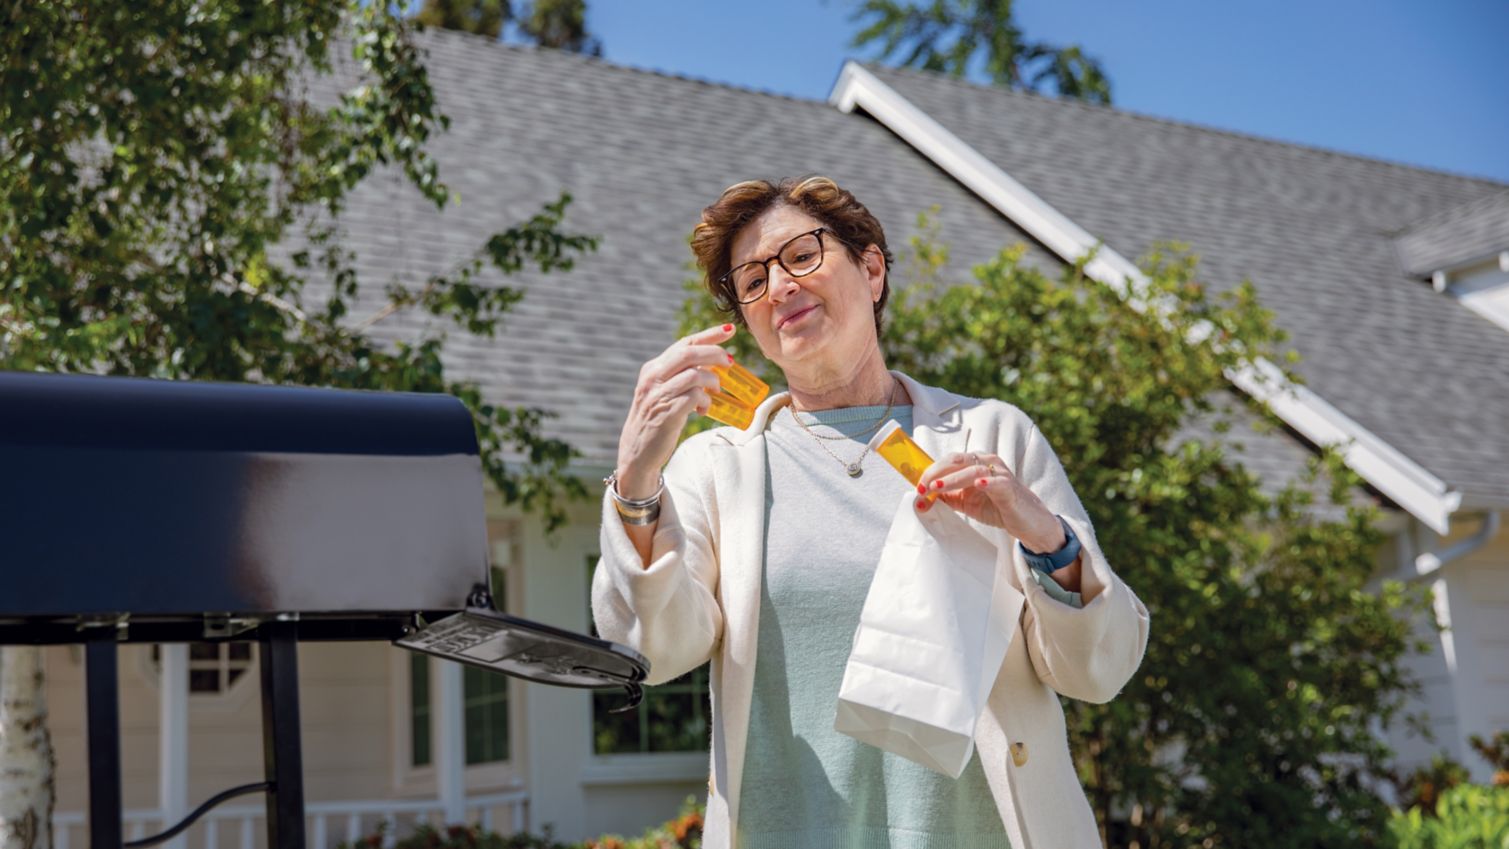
(730,412)
(741,384)
(898,449)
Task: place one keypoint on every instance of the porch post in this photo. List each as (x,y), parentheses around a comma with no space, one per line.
(173,737)
(450,739)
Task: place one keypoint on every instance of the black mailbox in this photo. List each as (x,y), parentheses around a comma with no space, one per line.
(157,511)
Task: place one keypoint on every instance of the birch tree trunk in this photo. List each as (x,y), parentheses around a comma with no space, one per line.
(26,760)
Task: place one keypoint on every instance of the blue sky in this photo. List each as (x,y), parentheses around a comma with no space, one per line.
(1424,82)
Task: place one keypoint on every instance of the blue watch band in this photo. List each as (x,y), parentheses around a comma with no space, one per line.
(1050,563)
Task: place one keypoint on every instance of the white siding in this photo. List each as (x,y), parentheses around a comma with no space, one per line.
(344,704)
(1465,678)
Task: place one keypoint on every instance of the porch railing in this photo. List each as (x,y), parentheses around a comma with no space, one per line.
(327,823)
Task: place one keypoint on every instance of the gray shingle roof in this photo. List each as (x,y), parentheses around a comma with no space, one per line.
(1462,234)
(1314,231)
(642,153)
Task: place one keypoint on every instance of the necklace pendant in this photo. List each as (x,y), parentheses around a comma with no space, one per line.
(855,471)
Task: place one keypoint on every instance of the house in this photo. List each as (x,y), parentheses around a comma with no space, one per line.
(1393,281)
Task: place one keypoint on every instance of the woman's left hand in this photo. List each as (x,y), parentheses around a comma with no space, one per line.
(981,487)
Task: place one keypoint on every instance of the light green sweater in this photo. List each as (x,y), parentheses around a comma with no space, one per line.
(804,784)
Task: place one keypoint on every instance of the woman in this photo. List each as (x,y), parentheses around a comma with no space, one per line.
(755,548)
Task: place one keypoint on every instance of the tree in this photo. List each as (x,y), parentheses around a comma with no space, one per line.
(1250,722)
(561,24)
(481,17)
(170,206)
(955,36)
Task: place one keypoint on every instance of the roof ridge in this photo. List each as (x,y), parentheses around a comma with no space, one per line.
(609,64)
(1188,125)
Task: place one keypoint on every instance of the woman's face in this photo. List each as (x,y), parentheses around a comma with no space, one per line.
(822,321)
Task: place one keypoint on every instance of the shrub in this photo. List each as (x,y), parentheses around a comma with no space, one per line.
(1468,816)
(1496,753)
(458,837)
(1422,788)
(683,832)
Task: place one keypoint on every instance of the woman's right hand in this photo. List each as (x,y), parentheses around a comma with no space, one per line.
(670,387)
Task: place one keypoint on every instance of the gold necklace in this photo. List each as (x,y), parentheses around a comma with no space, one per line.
(884,417)
(854,469)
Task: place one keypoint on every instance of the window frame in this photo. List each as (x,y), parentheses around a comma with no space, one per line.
(411,780)
(240,693)
(607,765)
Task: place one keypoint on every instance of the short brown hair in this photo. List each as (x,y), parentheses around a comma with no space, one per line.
(819,197)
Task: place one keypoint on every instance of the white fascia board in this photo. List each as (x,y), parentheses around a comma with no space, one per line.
(1410,485)
(1407,483)
(1500,258)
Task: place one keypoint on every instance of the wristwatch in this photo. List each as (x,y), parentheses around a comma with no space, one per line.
(1050,563)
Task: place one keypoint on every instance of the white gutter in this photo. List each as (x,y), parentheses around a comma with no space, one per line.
(1429,564)
(1410,485)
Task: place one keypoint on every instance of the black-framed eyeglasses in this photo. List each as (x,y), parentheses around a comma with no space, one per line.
(800,257)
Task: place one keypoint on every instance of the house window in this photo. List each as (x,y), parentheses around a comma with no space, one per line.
(213,667)
(419,709)
(484,699)
(485,695)
(673,717)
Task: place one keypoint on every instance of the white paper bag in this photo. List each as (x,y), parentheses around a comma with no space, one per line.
(931,639)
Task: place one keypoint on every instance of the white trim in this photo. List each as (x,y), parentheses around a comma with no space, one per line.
(1499,258)
(173,736)
(411,781)
(241,825)
(224,702)
(1409,484)
(1481,287)
(1420,493)
(408,779)
(448,747)
(645,768)
(1495,316)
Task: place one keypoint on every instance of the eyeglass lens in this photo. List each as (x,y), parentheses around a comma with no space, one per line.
(801,256)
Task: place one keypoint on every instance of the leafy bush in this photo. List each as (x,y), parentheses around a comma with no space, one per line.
(683,832)
(458,837)
(1468,816)
(1424,787)
(1496,753)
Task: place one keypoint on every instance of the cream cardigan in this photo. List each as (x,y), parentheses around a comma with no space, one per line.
(699,601)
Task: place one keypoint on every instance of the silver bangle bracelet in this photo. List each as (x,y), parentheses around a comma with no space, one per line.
(648,517)
(611,482)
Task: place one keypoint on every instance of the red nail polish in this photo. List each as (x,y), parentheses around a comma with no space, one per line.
(981,482)
(937,484)
(922,489)
(730,359)
(921,504)
(727,327)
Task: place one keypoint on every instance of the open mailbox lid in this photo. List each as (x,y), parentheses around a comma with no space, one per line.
(485,638)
